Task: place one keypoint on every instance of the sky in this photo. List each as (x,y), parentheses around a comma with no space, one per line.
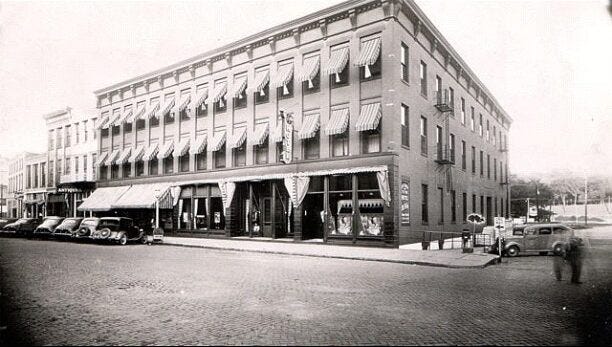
(548,63)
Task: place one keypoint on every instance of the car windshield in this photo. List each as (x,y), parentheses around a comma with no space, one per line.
(50,222)
(70,223)
(90,222)
(112,224)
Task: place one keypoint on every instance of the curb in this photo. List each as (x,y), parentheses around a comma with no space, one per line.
(408,262)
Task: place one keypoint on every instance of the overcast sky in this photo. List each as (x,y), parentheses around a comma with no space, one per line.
(549,63)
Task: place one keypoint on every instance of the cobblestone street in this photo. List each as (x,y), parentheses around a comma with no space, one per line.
(76,293)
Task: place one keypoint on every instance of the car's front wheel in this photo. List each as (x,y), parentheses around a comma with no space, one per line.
(512,251)
(122,240)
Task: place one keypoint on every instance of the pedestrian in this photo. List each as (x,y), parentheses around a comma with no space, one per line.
(559,263)
(574,255)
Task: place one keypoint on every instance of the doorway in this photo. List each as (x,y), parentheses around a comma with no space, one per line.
(312,217)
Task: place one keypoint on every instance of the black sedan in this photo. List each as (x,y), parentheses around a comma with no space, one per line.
(23,226)
(67,228)
(45,229)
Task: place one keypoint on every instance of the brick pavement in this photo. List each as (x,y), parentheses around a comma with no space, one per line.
(72,293)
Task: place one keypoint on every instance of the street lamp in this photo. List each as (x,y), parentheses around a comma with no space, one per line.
(156,208)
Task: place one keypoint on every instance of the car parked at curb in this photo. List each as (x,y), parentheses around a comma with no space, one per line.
(67,228)
(49,223)
(86,228)
(538,238)
(119,230)
(5,221)
(23,226)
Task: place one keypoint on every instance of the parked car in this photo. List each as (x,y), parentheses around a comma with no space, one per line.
(67,228)
(5,221)
(119,230)
(23,226)
(541,238)
(49,224)
(87,227)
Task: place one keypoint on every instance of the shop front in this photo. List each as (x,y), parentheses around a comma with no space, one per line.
(34,204)
(74,194)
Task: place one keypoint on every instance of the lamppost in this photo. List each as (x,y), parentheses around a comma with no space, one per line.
(156,208)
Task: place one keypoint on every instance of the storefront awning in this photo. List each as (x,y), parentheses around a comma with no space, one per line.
(370,50)
(200,98)
(310,126)
(238,137)
(102,159)
(112,158)
(219,92)
(181,148)
(125,155)
(168,105)
(185,99)
(152,110)
(199,145)
(310,69)
(369,117)
(102,122)
(144,196)
(261,133)
(337,61)
(102,198)
(277,133)
(150,152)
(240,85)
(338,122)
(137,154)
(166,149)
(217,141)
(261,79)
(283,76)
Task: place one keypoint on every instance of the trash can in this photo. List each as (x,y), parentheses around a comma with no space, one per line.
(466,242)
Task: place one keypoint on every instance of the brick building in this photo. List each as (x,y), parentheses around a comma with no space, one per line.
(357,124)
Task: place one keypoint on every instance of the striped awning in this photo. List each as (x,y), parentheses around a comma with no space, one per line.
(140,111)
(200,98)
(219,92)
(152,110)
(150,152)
(129,117)
(310,126)
(102,198)
(277,134)
(102,159)
(111,120)
(198,145)
(238,137)
(103,122)
(310,68)
(261,79)
(124,117)
(370,50)
(337,61)
(217,141)
(283,76)
(185,99)
(112,158)
(181,148)
(166,149)
(338,122)
(168,105)
(369,117)
(137,154)
(125,155)
(240,84)
(143,196)
(261,133)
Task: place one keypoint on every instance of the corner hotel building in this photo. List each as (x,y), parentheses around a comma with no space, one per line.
(357,124)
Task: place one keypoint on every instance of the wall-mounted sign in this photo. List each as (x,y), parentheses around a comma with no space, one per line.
(405,202)
(287,153)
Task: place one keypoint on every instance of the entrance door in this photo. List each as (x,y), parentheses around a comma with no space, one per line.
(267,217)
(312,224)
(489,212)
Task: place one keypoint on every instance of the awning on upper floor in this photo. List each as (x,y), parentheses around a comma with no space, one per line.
(137,154)
(337,61)
(217,141)
(240,84)
(182,147)
(102,158)
(370,51)
(125,155)
(168,105)
(199,145)
(369,117)
(102,122)
(338,122)
(310,126)
(185,99)
(201,97)
(261,80)
(238,137)
(219,91)
(150,152)
(260,134)
(112,158)
(166,149)
(283,76)
(310,69)
(152,110)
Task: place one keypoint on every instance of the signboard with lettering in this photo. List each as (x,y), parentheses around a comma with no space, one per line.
(405,202)
(287,153)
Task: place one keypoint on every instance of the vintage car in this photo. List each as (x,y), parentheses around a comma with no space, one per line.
(540,238)
(86,228)
(23,226)
(5,221)
(119,230)
(46,228)
(67,228)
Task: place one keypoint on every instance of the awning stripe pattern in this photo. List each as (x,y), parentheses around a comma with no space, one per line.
(140,112)
(240,85)
(112,158)
(238,137)
(152,110)
(261,79)
(369,117)
(125,155)
(277,134)
(310,68)
(168,105)
(150,152)
(370,50)
(182,147)
(185,99)
(102,122)
(166,149)
(338,122)
(217,141)
(337,61)
(283,76)
(261,132)
(310,126)
(128,117)
(219,92)
(199,145)
(137,154)
(126,114)
(142,196)
(200,98)
(111,120)
(102,159)
(103,198)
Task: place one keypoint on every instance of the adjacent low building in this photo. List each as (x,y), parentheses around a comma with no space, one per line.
(357,124)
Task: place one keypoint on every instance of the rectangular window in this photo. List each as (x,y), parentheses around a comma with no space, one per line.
(451,146)
(404,62)
(201,161)
(488,133)
(221,105)
(184,114)
(28,176)
(462,111)
(463,156)
(488,166)
(76,165)
(481,163)
(438,85)
(103,172)
(67,163)
(473,203)
(127,128)
(480,129)
(85,164)
(261,153)
(473,160)
(239,155)
(424,208)
(313,85)
(68,137)
(451,92)
(375,70)
(115,129)
(464,208)
(340,144)
(59,142)
(239,101)
(441,195)
(453,197)
(169,117)
(501,171)
(184,163)
(114,171)
(494,135)
(311,147)
(370,141)
(153,166)
(495,169)
(202,109)
(423,76)
(76,133)
(439,147)
(51,140)
(139,168)
(154,121)
(423,135)
(127,170)
(263,96)
(482,209)
(140,124)
(220,158)
(51,168)
(85,131)
(43,174)
(286,91)
(341,79)
(168,164)
(472,120)
(405,126)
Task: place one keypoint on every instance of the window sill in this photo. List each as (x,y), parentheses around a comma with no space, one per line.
(424,155)
(361,80)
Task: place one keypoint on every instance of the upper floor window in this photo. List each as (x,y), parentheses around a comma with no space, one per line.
(68,137)
(404,62)
(261,152)
(239,95)
(76,133)
(201,108)
(262,85)
(488,133)
(339,61)
(463,156)
(85,131)
(184,105)
(340,144)
(284,80)
(480,126)
(51,140)
(369,62)
(59,141)
(462,111)
(405,125)
(219,97)
(423,135)
(472,120)
(423,76)
(451,147)
(311,73)
(220,157)
(312,147)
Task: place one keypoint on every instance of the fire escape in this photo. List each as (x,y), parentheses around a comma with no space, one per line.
(445,148)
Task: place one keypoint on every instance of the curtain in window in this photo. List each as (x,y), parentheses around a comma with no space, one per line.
(383,186)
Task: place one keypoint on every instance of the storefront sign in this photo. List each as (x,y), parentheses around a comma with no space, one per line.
(287,153)
(405,199)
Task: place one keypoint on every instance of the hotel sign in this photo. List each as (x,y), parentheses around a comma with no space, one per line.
(405,202)
(287,152)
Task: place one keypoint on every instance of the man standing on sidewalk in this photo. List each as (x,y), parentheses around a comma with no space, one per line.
(574,254)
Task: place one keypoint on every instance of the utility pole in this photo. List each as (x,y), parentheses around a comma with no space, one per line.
(586,198)
(527,215)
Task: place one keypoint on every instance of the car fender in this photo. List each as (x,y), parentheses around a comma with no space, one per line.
(512,243)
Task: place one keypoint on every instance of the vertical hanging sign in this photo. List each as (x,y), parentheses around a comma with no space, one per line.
(405,202)
(287,153)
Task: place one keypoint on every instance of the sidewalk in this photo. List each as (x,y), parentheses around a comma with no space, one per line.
(452,258)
